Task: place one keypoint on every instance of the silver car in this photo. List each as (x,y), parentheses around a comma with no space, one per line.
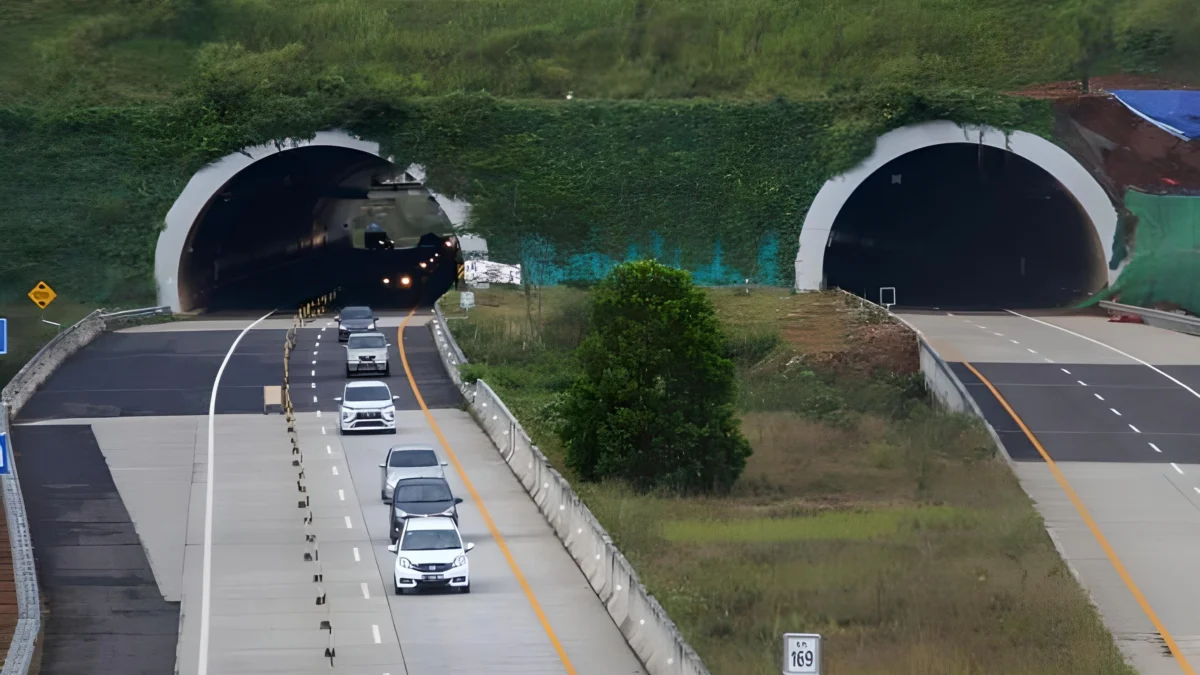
(367,353)
(408,461)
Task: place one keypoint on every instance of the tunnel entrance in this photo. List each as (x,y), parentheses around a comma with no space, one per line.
(292,225)
(964,226)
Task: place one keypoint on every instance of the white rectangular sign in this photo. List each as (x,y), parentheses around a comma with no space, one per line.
(466,300)
(801,653)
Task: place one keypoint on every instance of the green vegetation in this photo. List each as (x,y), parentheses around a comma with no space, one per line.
(653,402)
(863,513)
(85,52)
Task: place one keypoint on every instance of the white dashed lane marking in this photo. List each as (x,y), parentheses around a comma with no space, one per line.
(1098,396)
(1176,467)
(1065,371)
(1135,429)
(1116,412)
(1155,447)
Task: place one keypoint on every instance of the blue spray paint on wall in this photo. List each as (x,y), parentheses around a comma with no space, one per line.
(539,256)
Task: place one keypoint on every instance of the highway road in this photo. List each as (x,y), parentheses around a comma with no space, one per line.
(114,453)
(1103,423)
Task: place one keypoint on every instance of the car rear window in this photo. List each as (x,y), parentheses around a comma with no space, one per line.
(368,394)
(356,313)
(408,459)
(425,492)
(367,342)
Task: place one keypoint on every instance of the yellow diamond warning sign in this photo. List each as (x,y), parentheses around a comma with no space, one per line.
(42,295)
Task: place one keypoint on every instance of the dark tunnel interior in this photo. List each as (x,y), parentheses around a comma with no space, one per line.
(278,233)
(964,226)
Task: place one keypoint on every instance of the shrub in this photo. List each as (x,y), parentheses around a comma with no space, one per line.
(653,404)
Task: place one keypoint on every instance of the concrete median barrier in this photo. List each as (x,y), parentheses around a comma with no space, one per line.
(643,622)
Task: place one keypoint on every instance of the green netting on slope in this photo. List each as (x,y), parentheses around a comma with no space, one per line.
(1165,267)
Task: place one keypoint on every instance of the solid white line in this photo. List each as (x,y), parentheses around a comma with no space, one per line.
(365,591)
(1065,371)
(1115,412)
(348,525)
(206,577)
(342,495)
(1135,429)
(1098,396)
(356,558)
(334,470)
(1176,467)
(1155,447)
(1126,355)
(375,633)
(1081,382)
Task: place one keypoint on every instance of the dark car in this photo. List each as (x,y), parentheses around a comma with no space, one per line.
(354,320)
(420,497)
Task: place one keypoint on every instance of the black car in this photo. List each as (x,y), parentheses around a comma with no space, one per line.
(418,497)
(354,320)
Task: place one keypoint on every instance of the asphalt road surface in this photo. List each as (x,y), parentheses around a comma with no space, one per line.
(114,452)
(1116,408)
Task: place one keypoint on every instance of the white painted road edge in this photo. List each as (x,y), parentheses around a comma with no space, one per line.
(206,584)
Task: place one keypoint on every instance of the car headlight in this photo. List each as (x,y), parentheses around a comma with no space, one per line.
(347,414)
(460,561)
(405,563)
(389,414)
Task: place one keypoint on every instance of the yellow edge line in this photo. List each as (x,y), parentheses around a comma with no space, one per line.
(1087,519)
(487,518)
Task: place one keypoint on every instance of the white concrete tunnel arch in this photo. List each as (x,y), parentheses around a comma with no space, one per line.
(816,233)
(207,182)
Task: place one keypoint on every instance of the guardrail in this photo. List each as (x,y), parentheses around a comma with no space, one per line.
(642,621)
(1180,323)
(13,397)
(140,313)
(945,386)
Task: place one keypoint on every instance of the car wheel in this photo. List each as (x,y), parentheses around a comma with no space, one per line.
(399,591)
(392,430)
(387,372)
(348,371)
(465,589)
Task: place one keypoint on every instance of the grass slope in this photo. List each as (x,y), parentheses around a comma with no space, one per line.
(109,51)
(863,514)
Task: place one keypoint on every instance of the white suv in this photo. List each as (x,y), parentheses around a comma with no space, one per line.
(431,554)
(367,353)
(367,406)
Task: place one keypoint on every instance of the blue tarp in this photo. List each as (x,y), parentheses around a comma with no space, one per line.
(1175,112)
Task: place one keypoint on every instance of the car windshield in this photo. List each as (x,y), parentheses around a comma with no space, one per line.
(413,458)
(376,393)
(368,342)
(425,492)
(431,540)
(356,313)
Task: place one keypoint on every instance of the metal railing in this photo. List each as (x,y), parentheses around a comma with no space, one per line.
(1180,323)
(14,396)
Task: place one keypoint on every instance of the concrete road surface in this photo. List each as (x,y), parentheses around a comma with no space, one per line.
(1116,408)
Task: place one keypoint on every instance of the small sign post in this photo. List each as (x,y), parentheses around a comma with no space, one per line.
(3,337)
(4,454)
(42,295)
(466,300)
(801,654)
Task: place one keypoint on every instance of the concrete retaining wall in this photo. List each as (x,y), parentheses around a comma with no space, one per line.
(644,623)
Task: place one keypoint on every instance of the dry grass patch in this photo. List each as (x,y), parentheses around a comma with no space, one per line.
(863,514)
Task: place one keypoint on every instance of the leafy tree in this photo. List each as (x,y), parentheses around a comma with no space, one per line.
(1089,35)
(654,402)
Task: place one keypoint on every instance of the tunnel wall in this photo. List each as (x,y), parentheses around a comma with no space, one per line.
(815,236)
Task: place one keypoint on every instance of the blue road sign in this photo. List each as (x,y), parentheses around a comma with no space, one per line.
(4,453)
(3,337)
